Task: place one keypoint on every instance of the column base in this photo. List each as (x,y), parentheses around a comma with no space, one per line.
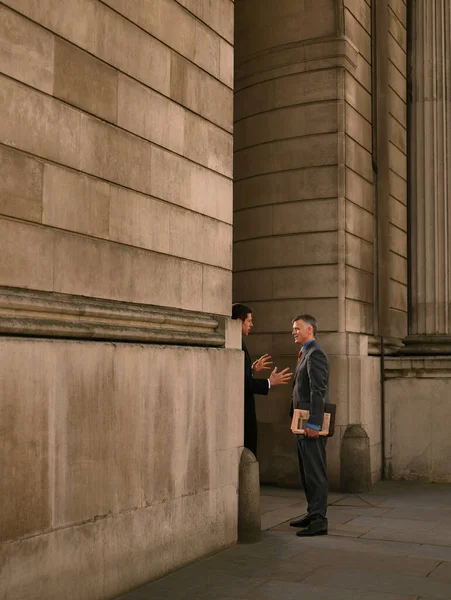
(426,345)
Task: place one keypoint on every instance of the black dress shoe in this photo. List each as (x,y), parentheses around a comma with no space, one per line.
(317,527)
(302,522)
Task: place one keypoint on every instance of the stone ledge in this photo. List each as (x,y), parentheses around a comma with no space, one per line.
(426,345)
(418,367)
(299,57)
(33,313)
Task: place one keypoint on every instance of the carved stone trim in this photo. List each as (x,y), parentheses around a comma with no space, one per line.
(427,345)
(32,313)
(425,368)
(296,57)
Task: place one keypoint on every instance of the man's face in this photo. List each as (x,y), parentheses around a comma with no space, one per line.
(247,324)
(302,332)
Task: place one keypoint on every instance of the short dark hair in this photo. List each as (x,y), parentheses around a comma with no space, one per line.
(240,311)
(309,320)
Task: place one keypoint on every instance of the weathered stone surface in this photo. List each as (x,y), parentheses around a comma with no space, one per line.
(44,126)
(20,185)
(26,51)
(76,202)
(84,81)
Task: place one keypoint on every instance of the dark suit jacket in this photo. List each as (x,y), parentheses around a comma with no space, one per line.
(251,386)
(311,382)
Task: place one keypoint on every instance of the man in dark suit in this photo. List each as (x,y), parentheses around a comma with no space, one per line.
(310,389)
(255,386)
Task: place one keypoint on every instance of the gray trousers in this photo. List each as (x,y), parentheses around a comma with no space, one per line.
(312,464)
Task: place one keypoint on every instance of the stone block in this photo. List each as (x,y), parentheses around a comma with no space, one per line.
(398,268)
(26,51)
(288,23)
(399,9)
(201,93)
(207,49)
(150,115)
(306,282)
(307,87)
(85,81)
(359,191)
(216,290)
(76,202)
(363,72)
(179,181)
(306,216)
(398,295)
(275,188)
(207,144)
(359,253)
(20,185)
(175,27)
(397,187)
(277,455)
(26,415)
(226,57)
(115,155)
(218,16)
(397,81)
(95,268)
(284,251)
(361,12)
(359,317)
(397,55)
(398,107)
(359,222)
(358,35)
(258,98)
(359,159)
(398,134)
(288,122)
(253,222)
(397,29)
(357,96)
(252,285)
(199,238)
(296,153)
(358,128)
(275,316)
(398,323)
(180,281)
(359,285)
(398,161)
(398,241)
(43,126)
(27,255)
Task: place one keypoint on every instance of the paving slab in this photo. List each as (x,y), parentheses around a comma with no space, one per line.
(391,544)
(434,537)
(278,590)
(325,558)
(390,583)
(402,524)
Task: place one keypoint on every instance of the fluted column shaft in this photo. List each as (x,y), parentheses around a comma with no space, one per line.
(431,169)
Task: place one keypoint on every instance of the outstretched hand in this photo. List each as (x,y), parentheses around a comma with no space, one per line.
(262,364)
(281,378)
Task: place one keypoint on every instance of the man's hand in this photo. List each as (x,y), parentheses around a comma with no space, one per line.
(281,378)
(311,433)
(262,364)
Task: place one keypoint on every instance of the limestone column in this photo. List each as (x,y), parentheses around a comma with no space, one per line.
(430,164)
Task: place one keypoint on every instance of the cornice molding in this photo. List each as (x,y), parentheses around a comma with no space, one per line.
(40,314)
(336,51)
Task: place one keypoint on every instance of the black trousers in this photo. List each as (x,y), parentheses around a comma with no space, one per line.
(312,464)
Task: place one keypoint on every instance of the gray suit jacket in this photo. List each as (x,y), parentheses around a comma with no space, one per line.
(311,383)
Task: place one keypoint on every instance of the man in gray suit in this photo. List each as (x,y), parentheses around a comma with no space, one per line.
(310,388)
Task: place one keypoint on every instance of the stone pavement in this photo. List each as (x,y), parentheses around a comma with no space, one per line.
(391,544)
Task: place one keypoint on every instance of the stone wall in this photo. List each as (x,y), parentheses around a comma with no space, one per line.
(115,224)
(122,463)
(418,446)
